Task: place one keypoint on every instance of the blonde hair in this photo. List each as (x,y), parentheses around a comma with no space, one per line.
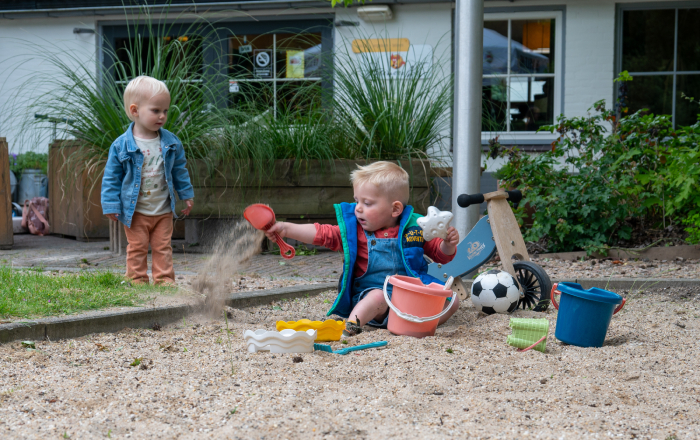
(142,88)
(386,175)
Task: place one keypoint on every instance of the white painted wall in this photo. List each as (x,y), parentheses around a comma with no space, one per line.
(421,24)
(23,77)
(588,52)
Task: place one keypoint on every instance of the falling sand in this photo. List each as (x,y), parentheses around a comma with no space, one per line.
(235,245)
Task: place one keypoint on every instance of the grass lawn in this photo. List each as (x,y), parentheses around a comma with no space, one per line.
(27,294)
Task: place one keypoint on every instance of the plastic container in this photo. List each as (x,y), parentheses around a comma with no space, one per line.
(34,183)
(286,341)
(527,332)
(13,186)
(584,315)
(414,308)
(328,330)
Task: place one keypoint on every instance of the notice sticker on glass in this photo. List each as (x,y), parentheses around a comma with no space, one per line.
(295,64)
(233,86)
(263,63)
(245,49)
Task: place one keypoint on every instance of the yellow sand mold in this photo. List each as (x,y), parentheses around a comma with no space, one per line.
(328,330)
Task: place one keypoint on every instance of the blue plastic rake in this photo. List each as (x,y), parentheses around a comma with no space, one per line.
(327,348)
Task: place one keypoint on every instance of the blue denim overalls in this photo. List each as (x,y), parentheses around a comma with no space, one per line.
(384,258)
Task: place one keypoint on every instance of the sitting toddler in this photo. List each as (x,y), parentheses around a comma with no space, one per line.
(379,236)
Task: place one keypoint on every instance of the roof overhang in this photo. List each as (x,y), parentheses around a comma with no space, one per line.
(193,7)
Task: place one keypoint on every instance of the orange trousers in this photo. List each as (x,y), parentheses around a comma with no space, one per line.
(156,231)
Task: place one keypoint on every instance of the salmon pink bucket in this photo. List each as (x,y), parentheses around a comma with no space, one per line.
(415,309)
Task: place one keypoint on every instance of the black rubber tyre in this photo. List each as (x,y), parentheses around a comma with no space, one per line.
(536,286)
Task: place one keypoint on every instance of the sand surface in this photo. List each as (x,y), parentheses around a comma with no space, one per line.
(643,383)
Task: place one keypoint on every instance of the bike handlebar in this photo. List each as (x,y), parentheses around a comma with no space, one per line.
(466,200)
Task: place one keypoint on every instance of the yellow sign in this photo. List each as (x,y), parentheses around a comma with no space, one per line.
(380,45)
(295,64)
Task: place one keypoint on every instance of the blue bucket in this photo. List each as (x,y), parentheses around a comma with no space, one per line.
(584,315)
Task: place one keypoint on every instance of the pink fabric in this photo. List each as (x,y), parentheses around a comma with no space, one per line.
(157,231)
(329,236)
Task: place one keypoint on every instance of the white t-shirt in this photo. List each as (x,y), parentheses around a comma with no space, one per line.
(154,197)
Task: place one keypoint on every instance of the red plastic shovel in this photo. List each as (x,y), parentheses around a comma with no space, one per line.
(262,217)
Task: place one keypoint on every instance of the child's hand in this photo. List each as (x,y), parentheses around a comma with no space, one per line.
(113,217)
(279,227)
(449,245)
(190,204)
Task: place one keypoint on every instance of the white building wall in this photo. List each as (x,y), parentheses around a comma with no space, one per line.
(23,77)
(589,55)
(589,32)
(421,24)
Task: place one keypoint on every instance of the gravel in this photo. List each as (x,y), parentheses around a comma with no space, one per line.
(643,383)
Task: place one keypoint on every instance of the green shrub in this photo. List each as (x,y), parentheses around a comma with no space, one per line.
(27,161)
(602,178)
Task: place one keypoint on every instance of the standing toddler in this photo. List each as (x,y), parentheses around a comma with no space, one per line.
(145,169)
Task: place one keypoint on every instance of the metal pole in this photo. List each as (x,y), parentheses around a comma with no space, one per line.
(466,156)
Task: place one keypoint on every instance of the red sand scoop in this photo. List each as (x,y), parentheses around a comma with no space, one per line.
(262,217)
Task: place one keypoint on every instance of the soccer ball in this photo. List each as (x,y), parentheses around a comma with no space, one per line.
(495,291)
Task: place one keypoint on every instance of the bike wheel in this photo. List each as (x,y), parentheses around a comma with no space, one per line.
(535,284)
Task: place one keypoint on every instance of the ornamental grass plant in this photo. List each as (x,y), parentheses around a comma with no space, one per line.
(354,113)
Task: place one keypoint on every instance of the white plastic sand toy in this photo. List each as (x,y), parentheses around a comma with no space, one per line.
(286,341)
(435,223)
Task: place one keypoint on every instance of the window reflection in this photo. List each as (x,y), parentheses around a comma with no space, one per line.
(275,72)
(129,67)
(654,93)
(647,40)
(531,103)
(495,47)
(688,40)
(533,46)
(298,56)
(686,111)
(495,97)
(518,75)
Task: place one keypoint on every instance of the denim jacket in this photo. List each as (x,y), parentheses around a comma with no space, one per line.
(122,178)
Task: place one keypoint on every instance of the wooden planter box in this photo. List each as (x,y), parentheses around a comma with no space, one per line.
(302,190)
(6,234)
(74,196)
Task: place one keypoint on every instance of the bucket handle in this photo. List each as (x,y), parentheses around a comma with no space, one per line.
(409,317)
(557,292)
(522,350)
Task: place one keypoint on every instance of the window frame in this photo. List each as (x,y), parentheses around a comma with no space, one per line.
(509,137)
(652,6)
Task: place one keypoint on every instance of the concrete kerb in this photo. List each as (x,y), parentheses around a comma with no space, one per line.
(142,317)
(626,284)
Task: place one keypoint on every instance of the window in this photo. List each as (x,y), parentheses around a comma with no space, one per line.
(270,66)
(134,60)
(522,70)
(660,48)
(275,72)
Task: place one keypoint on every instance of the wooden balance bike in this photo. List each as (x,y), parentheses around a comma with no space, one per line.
(497,231)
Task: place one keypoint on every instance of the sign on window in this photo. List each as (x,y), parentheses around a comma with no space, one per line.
(263,63)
